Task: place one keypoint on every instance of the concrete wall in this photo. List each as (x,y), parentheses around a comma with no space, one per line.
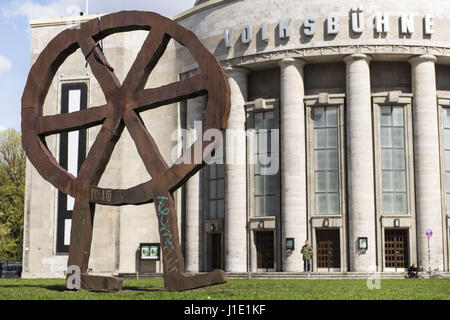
(264,84)
(325,77)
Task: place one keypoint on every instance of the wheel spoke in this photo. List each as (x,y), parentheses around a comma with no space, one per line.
(174,92)
(100,152)
(67,122)
(178,174)
(100,66)
(146,146)
(152,50)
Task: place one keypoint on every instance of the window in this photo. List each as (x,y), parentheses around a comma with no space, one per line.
(214,177)
(446,121)
(216,191)
(72,152)
(263,159)
(326,160)
(393,159)
(326,172)
(264,185)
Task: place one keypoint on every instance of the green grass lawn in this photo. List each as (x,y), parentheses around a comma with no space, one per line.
(252,289)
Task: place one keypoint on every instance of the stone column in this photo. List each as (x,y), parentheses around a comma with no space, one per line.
(426,156)
(361,191)
(236,175)
(293,162)
(194,206)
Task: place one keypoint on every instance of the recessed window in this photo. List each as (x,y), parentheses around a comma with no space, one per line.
(326,160)
(446,121)
(72,152)
(264,185)
(393,160)
(216,191)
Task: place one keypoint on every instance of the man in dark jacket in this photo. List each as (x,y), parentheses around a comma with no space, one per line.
(307,253)
(412,272)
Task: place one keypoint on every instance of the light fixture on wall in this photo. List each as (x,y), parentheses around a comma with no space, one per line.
(363,243)
(397,223)
(261,224)
(290,244)
(212,227)
(326,223)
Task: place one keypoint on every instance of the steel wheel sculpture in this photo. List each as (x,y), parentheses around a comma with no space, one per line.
(124,102)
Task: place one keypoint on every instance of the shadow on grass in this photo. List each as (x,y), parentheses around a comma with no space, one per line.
(51,288)
(62,288)
(57,288)
(137,289)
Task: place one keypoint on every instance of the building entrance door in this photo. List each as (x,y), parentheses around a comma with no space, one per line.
(265,250)
(328,250)
(396,248)
(216,251)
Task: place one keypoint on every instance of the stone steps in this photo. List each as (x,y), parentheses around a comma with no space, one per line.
(292,276)
(314,275)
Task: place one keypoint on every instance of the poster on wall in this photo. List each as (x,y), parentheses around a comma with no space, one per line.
(150,251)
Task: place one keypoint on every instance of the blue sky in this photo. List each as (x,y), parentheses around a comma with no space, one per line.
(15,39)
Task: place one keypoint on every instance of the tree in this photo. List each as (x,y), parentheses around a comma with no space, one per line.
(12,194)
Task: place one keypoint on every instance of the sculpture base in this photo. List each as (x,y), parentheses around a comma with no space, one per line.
(178,282)
(100,284)
(182,282)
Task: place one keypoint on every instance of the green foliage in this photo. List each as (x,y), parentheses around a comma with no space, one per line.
(234,289)
(12,193)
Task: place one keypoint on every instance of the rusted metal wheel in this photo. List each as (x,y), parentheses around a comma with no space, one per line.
(124,102)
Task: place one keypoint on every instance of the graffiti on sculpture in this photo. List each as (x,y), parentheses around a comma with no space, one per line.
(124,102)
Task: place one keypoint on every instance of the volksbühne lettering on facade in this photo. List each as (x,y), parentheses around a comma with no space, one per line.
(358,25)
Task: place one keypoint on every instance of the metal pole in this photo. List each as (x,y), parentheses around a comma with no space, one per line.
(87,7)
(429,257)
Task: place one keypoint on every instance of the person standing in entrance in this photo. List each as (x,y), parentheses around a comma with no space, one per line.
(307,252)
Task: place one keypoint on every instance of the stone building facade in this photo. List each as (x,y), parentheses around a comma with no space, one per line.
(360,95)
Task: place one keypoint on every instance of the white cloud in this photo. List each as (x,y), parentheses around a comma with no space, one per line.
(63,8)
(30,10)
(2,128)
(5,65)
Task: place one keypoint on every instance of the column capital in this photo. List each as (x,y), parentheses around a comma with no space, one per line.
(292,61)
(422,58)
(357,56)
(230,71)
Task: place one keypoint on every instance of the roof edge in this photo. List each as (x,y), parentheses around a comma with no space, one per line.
(61,21)
(80,19)
(200,7)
